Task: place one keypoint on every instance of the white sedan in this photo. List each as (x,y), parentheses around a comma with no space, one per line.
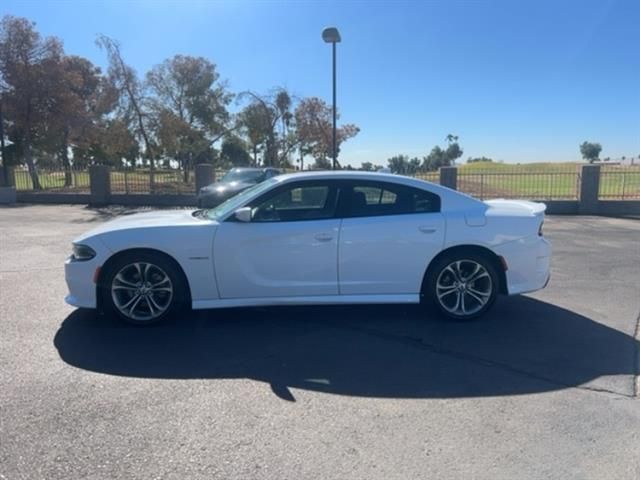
(315,238)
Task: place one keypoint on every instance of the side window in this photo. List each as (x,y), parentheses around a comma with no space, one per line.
(375,195)
(424,202)
(375,199)
(296,203)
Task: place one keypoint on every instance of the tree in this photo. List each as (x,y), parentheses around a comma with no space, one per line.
(367,167)
(479,159)
(314,123)
(439,157)
(453,151)
(25,60)
(112,142)
(257,121)
(234,152)
(79,98)
(283,105)
(590,151)
(435,159)
(398,164)
(260,120)
(402,165)
(189,108)
(131,92)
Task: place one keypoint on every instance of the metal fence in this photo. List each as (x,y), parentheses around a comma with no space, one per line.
(145,181)
(52,180)
(529,185)
(433,177)
(619,183)
(561,183)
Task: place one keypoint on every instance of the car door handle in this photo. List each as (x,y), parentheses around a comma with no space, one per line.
(427,229)
(323,237)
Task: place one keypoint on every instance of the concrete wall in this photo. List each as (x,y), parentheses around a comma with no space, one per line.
(154,200)
(53,198)
(562,207)
(7,195)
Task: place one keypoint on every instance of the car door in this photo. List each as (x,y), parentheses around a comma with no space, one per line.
(389,235)
(289,248)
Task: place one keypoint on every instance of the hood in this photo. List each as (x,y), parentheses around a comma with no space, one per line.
(157,218)
(518,208)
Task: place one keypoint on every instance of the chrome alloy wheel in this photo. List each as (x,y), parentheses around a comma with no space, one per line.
(464,287)
(142,291)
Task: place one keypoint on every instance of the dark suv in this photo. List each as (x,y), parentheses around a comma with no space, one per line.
(235,181)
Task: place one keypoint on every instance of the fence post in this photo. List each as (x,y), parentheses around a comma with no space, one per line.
(100,184)
(204,175)
(10,181)
(449,177)
(589,189)
(7,186)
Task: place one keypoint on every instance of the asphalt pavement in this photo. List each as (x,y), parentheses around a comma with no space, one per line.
(545,386)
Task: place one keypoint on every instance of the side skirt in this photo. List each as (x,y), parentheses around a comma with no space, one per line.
(311,300)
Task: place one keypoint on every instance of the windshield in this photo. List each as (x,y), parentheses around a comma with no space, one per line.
(242,176)
(238,200)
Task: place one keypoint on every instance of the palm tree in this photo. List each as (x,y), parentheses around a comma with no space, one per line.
(283,104)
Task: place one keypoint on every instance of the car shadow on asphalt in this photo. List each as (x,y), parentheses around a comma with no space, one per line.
(389,351)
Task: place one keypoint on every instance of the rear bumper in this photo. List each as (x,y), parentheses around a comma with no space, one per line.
(529,264)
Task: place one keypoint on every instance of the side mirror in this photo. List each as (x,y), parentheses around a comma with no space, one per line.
(243,214)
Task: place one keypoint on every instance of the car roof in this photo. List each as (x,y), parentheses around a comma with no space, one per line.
(252,169)
(354,175)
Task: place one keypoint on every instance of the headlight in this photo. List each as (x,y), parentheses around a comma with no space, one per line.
(82,253)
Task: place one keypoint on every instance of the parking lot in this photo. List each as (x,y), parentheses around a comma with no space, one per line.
(545,386)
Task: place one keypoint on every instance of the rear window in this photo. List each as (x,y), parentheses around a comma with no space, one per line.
(389,199)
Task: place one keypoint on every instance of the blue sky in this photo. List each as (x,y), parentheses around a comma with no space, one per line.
(518,81)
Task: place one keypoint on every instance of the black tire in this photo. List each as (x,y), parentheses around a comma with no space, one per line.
(118,289)
(443,288)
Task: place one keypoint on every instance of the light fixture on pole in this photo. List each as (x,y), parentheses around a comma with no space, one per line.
(332,35)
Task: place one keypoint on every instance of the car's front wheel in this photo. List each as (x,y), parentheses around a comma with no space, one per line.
(462,287)
(143,288)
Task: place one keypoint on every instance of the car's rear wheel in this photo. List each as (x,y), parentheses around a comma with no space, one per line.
(462,286)
(143,288)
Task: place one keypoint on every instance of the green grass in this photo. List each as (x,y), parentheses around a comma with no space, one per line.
(620,183)
(493,167)
(53,181)
(165,182)
(544,181)
(510,184)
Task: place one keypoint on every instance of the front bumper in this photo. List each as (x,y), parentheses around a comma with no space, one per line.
(79,278)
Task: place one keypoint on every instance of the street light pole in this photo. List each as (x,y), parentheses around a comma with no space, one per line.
(335,149)
(331,35)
